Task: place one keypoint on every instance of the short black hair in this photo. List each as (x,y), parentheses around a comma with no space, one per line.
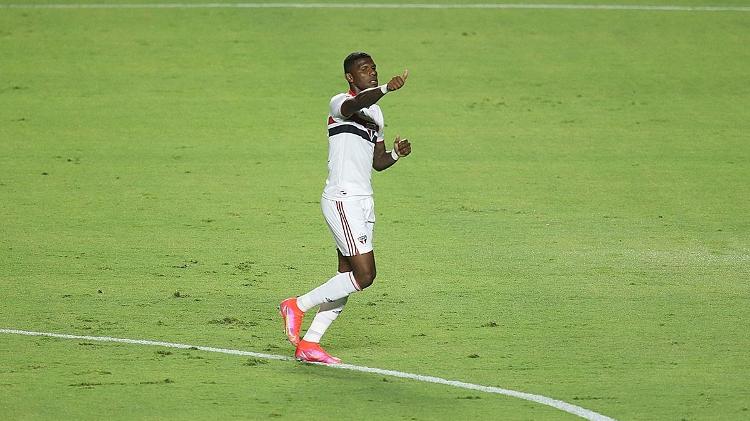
(351,58)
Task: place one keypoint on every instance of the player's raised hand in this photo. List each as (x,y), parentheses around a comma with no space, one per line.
(402,146)
(397,82)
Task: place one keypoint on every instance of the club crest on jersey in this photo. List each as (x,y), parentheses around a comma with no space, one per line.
(362,239)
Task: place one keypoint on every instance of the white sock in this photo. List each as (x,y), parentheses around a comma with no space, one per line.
(327,313)
(339,286)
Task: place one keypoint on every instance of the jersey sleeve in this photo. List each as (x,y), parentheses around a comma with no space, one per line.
(336,102)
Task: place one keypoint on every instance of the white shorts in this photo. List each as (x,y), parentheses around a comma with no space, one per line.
(351,222)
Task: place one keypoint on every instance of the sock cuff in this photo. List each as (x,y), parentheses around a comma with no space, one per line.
(354,281)
(303,303)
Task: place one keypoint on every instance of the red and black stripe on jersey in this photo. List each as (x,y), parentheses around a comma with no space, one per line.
(368,135)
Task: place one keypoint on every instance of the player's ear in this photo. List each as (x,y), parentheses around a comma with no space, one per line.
(349,78)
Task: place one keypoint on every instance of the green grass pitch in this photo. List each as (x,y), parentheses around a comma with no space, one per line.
(573,221)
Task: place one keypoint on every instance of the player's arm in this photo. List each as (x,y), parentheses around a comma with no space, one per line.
(382,159)
(370,96)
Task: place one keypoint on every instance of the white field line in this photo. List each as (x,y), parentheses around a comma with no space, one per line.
(379,6)
(563,406)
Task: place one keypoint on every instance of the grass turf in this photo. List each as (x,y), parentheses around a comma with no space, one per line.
(572,223)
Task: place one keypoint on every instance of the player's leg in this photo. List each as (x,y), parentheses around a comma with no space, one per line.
(362,265)
(348,224)
(293,309)
(344,219)
(328,312)
(308,349)
(363,268)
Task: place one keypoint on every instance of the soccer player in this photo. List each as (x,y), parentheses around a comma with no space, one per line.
(355,146)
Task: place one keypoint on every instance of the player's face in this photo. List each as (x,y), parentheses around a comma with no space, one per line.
(363,74)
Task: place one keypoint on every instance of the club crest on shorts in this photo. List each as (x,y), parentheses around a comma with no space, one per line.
(362,239)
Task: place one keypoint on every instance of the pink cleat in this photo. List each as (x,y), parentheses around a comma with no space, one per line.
(292,316)
(312,352)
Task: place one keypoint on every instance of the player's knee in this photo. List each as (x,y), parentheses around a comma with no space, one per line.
(365,278)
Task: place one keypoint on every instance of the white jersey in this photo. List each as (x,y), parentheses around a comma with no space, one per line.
(351,142)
